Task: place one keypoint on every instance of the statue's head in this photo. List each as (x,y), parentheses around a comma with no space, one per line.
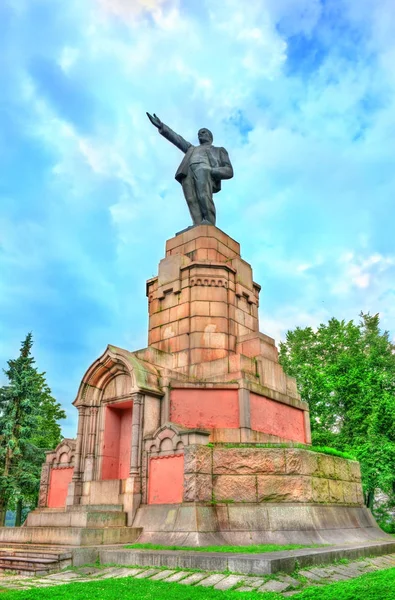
(205,136)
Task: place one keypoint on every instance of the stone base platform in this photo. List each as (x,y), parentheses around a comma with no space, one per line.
(249,564)
(90,517)
(73,526)
(244,524)
(69,536)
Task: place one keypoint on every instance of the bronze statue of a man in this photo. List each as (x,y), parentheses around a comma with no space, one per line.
(200,172)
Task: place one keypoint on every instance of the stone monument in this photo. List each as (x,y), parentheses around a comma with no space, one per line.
(171,438)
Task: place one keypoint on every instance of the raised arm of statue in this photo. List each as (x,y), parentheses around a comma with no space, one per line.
(169,134)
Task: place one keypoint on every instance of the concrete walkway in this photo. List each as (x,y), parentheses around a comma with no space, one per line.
(284,584)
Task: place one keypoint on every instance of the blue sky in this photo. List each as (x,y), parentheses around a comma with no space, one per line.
(300,92)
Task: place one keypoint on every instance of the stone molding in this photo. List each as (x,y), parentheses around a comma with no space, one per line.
(63,455)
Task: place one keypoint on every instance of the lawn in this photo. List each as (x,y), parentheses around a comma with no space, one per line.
(372,586)
(252,549)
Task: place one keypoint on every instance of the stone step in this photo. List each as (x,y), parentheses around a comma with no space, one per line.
(94,508)
(9,552)
(40,548)
(33,563)
(83,518)
(69,536)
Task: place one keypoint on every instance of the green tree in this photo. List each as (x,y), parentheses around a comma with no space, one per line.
(346,372)
(28,427)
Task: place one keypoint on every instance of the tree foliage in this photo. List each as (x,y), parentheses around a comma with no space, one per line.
(28,427)
(346,372)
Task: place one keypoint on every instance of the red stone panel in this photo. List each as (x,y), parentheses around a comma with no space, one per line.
(206,408)
(58,484)
(276,418)
(166,480)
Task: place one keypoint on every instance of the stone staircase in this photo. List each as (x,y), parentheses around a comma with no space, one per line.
(25,559)
(73,526)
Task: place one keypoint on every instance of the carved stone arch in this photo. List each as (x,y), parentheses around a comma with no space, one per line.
(118,386)
(64,453)
(116,373)
(111,375)
(168,439)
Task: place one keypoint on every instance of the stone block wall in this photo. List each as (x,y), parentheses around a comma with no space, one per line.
(258,475)
(203,298)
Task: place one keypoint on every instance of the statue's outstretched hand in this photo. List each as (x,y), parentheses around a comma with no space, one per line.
(155,120)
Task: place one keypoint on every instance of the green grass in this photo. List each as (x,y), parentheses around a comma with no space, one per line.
(372,586)
(321,449)
(253,549)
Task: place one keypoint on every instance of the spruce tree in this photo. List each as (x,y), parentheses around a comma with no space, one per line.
(28,427)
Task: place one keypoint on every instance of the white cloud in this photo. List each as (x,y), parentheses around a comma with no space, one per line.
(312,197)
(361,272)
(68,58)
(128,9)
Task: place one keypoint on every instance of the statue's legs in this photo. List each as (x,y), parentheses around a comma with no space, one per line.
(198,192)
(188,187)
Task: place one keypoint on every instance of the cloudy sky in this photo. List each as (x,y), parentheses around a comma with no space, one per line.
(300,92)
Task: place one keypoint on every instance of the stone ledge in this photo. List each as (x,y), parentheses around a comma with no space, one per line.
(259,564)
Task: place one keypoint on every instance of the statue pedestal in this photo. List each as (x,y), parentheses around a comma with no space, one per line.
(171,435)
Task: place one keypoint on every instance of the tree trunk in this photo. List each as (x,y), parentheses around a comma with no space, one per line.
(3,500)
(369,499)
(18,515)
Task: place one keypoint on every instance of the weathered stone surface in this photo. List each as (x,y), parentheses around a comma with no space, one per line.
(320,489)
(301,462)
(326,466)
(254,582)
(284,489)
(342,468)
(239,488)
(248,460)
(177,576)
(212,580)
(194,578)
(350,492)
(228,582)
(147,573)
(274,586)
(310,575)
(162,574)
(360,497)
(197,488)
(336,491)
(355,470)
(197,459)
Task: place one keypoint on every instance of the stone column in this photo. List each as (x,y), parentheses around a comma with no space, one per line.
(136,434)
(78,448)
(307,426)
(165,402)
(244,414)
(90,457)
(74,491)
(132,495)
(92,430)
(44,485)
